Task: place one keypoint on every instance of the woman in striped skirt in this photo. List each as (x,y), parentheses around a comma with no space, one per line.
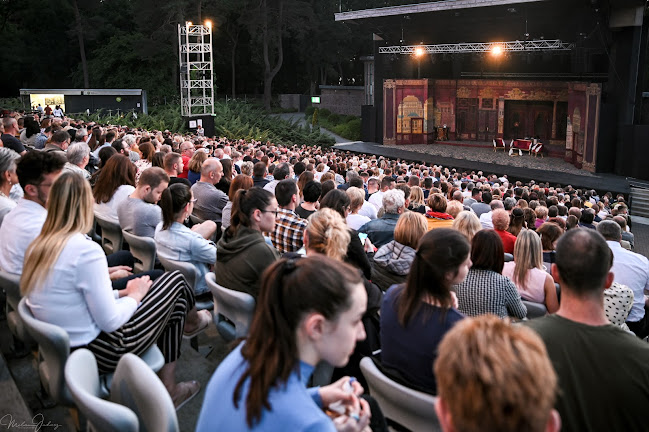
(66,281)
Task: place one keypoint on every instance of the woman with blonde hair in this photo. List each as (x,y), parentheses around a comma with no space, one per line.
(467,223)
(417,203)
(66,282)
(195,165)
(327,234)
(526,271)
(391,263)
(357,198)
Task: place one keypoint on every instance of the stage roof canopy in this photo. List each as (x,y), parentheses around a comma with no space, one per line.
(458,21)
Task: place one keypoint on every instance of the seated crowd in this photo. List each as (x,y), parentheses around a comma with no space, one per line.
(429,269)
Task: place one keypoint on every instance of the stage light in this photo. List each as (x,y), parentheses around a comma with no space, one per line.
(496,50)
(419,52)
(208,23)
(189,23)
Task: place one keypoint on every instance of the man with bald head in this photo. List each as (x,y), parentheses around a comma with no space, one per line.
(209,200)
(187,150)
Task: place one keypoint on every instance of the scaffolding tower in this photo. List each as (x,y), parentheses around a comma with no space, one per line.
(196,69)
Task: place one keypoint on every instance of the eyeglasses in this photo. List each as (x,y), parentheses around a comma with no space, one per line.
(270,211)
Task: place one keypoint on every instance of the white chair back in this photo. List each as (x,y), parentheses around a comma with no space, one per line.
(410,408)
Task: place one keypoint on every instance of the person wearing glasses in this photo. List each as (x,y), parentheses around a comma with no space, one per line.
(177,242)
(244,254)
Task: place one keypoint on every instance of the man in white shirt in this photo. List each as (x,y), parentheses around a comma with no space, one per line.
(485,218)
(630,269)
(377,198)
(37,172)
(282,172)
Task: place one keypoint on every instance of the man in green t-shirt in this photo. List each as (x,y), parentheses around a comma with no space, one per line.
(603,370)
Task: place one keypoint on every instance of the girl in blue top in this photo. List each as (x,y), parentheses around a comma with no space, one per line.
(308,310)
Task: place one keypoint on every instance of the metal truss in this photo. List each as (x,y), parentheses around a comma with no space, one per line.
(476,47)
(196,69)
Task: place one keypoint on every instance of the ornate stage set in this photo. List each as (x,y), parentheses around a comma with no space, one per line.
(566,73)
(562,114)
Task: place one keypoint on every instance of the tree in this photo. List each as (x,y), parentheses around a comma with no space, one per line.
(82,48)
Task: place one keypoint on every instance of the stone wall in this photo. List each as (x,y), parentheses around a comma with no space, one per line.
(345,100)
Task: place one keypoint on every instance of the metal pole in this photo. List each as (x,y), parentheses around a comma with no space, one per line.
(212,70)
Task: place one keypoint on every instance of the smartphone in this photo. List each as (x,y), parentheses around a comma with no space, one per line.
(363,237)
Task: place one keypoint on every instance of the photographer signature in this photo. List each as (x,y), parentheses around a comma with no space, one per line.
(38,422)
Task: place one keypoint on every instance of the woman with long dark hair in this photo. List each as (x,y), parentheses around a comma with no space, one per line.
(416,315)
(115,183)
(308,310)
(243,252)
(485,290)
(177,242)
(226,179)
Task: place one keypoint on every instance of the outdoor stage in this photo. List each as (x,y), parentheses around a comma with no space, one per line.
(476,156)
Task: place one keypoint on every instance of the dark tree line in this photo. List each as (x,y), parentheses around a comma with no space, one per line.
(261,47)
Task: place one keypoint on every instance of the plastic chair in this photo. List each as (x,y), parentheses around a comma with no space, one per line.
(535,310)
(190,273)
(10,283)
(409,408)
(82,379)
(233,310)
(143,250)
(54,350)
(111,234)
(138,388)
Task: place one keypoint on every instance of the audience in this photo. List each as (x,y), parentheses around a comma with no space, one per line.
(593,360)
(115,183)
(174,241)
(289,227)
(630,269)
(381,231)
(308,310)
(66,281)
(526,271)
(8,178)
(391,263)
(485,290)
(241,181)
(420,271)
(243,253)
(209,200)
(138,213)
(495,377)
(416,315)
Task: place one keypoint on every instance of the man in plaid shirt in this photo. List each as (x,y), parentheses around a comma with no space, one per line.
(289,227)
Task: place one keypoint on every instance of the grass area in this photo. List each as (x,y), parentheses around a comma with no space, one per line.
(344,125)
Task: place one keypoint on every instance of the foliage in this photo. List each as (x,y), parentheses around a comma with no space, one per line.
(308,112)
(134,44)
(346,126)
(236,120)
(11,104)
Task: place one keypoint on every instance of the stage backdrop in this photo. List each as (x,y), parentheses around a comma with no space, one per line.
(563,115)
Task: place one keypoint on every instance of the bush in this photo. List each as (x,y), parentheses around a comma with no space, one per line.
(324,113)
(335,119)
(350,130)
(308,112)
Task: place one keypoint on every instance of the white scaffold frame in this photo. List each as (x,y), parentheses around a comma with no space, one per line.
(479,47)
(196,69)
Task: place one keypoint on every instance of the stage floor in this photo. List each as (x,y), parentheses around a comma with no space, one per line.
(482,158)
